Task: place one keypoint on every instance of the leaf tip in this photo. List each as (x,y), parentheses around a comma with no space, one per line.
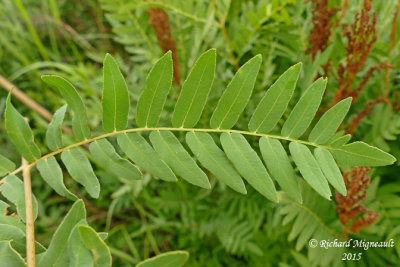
(297,66)
(8,100)
(348,100)
(107,57)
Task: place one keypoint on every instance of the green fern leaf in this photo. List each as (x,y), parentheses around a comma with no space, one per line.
(6,165)
(10,257)
(74,100)
(309,168)
(174,154)
(57,249)
(115,100)
(167,157)
(274,103)
(20,133)
(362,154)
(248,164)
(195,90)
(78,254)
(168,259)
(140,152)
(330,169)
(9,220)
(12,188)
(92,241)
(237,94)
(278,164)
(104,152)
(80,169)
(214,159)
(52,174)
(18,238)
(152,100)
(341,141)
(304,111)
(330,122)
(53,133)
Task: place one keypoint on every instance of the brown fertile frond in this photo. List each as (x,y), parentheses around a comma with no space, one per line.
(159,21)
(322,23)
(366,78)
(361,35)
(368,107)
(348,206)
(396,102)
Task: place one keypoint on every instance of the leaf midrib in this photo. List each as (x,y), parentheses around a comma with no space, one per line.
(234,101)
(196,92)
(150,129)
(153,96)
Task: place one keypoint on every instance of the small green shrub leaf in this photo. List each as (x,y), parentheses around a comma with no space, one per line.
(13,189)
(330,122)
(274,103)
(20,133)
(152,100)
(80,169)
(278,164)
(57,249)
(309,169)
(236,96)
(10,232)
(362,154)
(17,235)
(104,152)
(6,219)
(52,174)
(6,165)
(341,141)
(174,154)
(78,254)
(304,111)
(195,91)
(330,169)
(9,257)
(249,165)
(92,241)
(115,100)
(74,100)
(214,159)
(53,133)
(168,259)
(140,152)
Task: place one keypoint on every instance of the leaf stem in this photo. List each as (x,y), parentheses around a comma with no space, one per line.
(29,102)
(148,129)
(30,230)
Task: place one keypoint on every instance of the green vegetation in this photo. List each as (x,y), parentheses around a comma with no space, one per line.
(187,133)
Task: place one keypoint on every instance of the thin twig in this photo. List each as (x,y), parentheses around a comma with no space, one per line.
(68,29)
(29,102)
(225,33)
(30,229)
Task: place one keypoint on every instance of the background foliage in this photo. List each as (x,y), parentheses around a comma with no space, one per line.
(218,227)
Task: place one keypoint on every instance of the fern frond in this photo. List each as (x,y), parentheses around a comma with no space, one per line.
(308,223)
(385,127)
(167,157)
